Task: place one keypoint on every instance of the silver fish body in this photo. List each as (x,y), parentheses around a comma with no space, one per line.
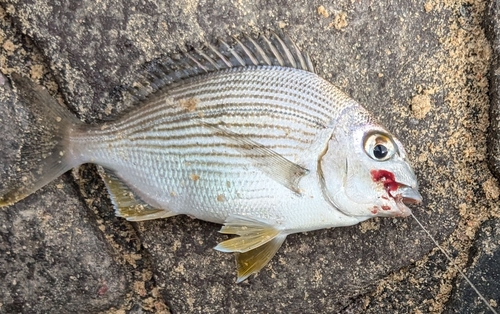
(168,156)
(265,150)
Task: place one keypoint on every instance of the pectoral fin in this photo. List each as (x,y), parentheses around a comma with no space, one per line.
(127,204)
(256,245)
(273,164)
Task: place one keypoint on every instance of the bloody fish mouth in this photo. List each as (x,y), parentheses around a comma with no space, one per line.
(409,195)
(401,193)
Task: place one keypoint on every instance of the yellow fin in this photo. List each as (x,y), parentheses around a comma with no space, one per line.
(256,245)
(252,234)
(127,204)
(252,261)
(267,160)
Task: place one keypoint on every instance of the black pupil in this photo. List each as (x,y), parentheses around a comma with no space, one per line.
(380,151)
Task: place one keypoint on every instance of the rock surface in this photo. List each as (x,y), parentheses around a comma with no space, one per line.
(53,257)
(484,273)
(484,256)
(420,68)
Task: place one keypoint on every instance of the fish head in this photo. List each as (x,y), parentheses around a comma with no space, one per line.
(366,173)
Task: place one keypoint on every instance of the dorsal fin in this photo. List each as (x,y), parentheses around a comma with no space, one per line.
(272,50)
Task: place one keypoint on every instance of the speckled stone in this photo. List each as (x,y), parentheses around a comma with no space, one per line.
(53,259)
(483,271)
(384,54)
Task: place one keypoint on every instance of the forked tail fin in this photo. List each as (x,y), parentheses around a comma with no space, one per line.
(44,153)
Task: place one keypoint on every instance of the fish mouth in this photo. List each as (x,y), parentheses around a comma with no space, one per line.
(409,195)
(405,195)
(401,193)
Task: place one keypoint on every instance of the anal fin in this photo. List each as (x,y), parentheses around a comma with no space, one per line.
(256,245)
(252,261)
(127,204)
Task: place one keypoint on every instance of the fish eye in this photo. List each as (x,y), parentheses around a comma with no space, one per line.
(379,146)
(380,151)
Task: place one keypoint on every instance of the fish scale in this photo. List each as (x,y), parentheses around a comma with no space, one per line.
(265,150)
(142,138)
(238,177)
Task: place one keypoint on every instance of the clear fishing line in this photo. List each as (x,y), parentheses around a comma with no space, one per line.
(456,266)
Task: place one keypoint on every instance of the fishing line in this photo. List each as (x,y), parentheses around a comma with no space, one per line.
(456,266)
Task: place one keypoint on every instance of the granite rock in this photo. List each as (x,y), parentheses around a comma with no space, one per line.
(52,256)
(483,272)
(420,68)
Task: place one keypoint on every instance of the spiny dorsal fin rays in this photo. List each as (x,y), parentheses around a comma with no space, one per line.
(260,51)
(274,51)
(298,54)
(287,51)
(206,57)
(224,59)
(271,163)
(278,50)
(247,51)
(234,54)
(197,63)
(310,65)
(157,75)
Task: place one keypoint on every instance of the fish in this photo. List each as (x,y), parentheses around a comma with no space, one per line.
(245,134)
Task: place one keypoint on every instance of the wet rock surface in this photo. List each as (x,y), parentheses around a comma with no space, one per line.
(421,68)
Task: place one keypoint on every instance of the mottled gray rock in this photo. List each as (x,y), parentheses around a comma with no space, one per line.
(484,257)
(421,69)
(484,273)
(52,256)
(492,28)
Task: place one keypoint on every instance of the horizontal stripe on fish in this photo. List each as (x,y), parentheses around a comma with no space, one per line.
(289,94)
(198,134)
(284,128)
(189,125)
(167,137)
(231,108)
(194,153)
(244,114)
(273,80)
(228,89)
(185,132)
(232,159)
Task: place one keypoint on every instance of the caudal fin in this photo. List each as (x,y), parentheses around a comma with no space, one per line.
(44,152)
